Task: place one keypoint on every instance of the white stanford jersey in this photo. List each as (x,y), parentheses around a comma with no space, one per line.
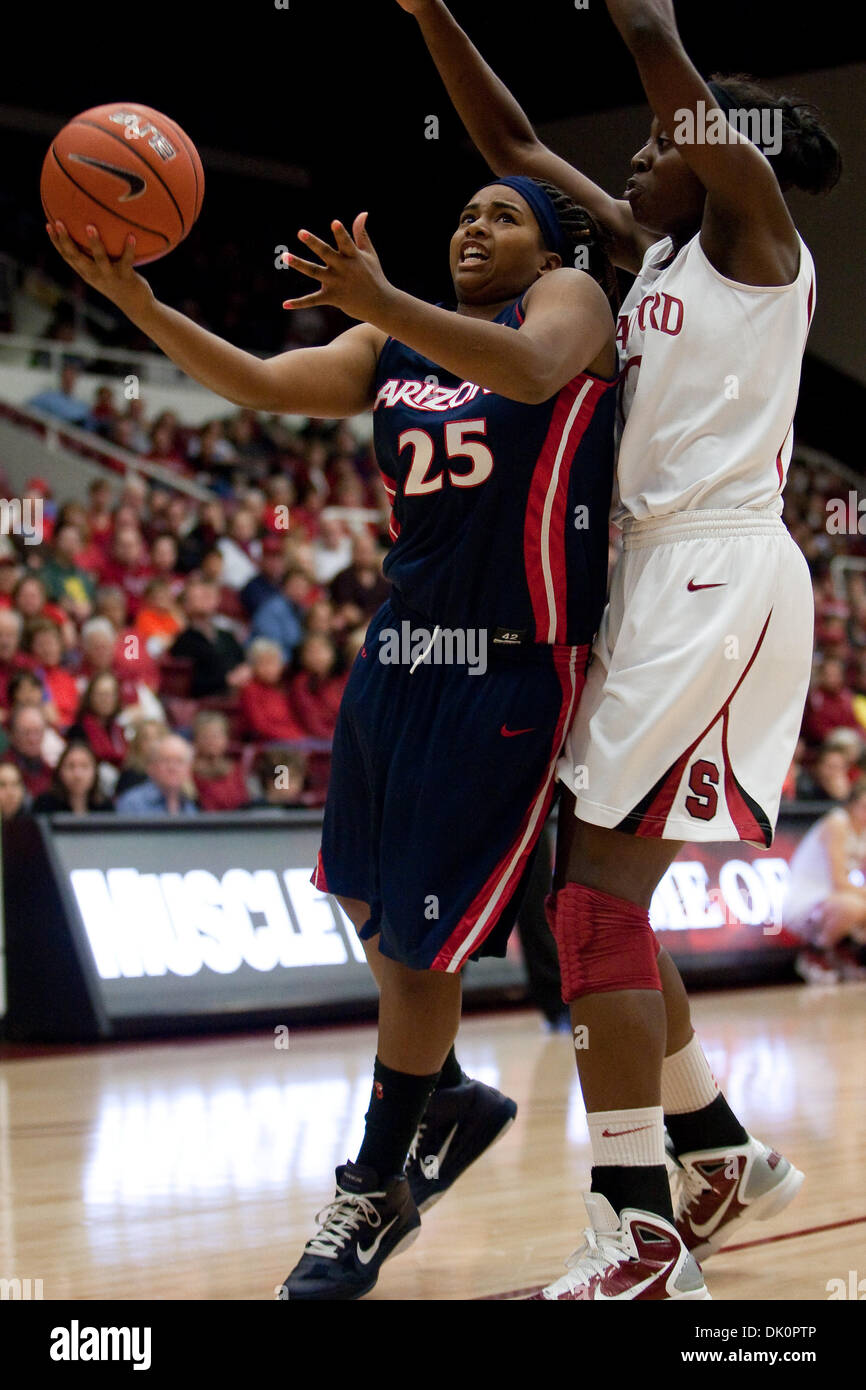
(710,376)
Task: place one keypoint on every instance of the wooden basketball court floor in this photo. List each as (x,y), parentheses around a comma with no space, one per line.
(193,1169)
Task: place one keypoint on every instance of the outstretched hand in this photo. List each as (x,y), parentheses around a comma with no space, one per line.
(117,280)
(351,277)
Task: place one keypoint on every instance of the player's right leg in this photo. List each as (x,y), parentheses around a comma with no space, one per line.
(673,728)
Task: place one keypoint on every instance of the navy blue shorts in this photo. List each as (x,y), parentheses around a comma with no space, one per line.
(441,781)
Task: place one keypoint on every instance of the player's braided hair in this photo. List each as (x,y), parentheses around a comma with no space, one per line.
(809,157)
(584,235)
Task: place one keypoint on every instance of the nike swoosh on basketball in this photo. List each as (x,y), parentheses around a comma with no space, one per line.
(617,1134)
(431,1163)
(693,587)
(136,183)
(365,1256)
(512,733)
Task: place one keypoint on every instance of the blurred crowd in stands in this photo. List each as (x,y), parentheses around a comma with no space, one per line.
(164,654)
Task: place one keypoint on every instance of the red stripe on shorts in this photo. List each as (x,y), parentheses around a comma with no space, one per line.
(483,912)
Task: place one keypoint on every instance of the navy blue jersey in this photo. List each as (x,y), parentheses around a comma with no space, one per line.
(499,508)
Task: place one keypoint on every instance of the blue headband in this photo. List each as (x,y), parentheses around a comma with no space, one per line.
(543,211)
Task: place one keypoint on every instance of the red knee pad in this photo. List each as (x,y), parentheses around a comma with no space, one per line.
(604,943)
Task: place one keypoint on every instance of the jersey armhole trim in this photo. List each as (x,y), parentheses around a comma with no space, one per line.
(756,289)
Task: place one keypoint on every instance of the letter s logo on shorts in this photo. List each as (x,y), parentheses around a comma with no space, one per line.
(703,780)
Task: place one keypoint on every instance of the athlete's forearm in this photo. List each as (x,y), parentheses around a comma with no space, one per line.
(496,123)
(505,136)
(488,354)
(229,371)
(293,383)
(639,18)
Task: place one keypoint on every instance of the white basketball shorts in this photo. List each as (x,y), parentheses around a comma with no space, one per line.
(694,697)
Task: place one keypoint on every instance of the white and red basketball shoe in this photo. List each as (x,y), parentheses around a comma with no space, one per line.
(636,1256)
(716,1191)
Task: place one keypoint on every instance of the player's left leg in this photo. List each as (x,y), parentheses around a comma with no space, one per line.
(463,1117)
(373,1215)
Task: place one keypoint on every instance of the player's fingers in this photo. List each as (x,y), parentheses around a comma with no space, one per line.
(360,233)
(344,242)
(309,268)
(319,248)
(307,301)
(128,258)
(67,248)
(97,250)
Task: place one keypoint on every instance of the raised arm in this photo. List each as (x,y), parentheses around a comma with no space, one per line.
(504,135)
(332,381)
(747,231)
(568,325)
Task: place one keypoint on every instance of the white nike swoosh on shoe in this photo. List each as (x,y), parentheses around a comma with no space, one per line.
(599,1297)
(431,1163)
(717,1216)
(365,1256)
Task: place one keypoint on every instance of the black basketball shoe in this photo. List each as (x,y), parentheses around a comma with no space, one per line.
(363,1227)
(458,1125)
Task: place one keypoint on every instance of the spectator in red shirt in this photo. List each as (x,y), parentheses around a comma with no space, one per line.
(45,645)
(219,779)
(264,700)
(97,723)
(129,566)
(830,704)
(26,732)
(90,556)
(166,445)
(125,656)
(99,513)
(315,692)
(103,412)
(281,498)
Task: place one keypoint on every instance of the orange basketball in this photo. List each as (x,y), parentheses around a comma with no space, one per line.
(124,168)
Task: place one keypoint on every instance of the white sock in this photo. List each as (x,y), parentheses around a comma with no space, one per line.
(687,1082)
(627,1138)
